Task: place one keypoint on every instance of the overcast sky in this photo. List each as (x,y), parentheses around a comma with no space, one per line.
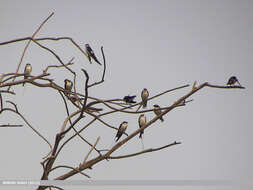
(158,45)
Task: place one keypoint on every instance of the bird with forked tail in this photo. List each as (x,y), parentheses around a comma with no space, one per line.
(129,99)
(142,122)
(232,80)
(27,71)
(158,111)
(121,130)
(90,53)
(68,86)
(144,97)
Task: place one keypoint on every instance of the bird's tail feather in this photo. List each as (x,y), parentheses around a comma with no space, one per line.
(142,143)
(144,104)
(238,82)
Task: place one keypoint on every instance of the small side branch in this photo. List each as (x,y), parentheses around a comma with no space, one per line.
(86,91)
(144,151)
(28,43)
(92,148)
(10,126)
(69,167)
(103,76)
(225,87)
(59,66)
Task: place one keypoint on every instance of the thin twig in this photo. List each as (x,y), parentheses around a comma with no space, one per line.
(224,87)
(6,91)
(57,57)
(11,126)
(29,125)
(59,66)
(144,151)
(103,76)
(67,119)
(70,138)
(24,119)
(28,80)
(92,148)
(64,166)
(86,91)
(23,54)
(1,101)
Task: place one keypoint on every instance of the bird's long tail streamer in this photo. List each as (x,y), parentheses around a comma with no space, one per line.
(238,82)
(142,143)
(23,90)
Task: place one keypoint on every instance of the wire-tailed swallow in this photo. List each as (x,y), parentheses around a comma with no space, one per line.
(158,111)
(144,97)
(27,71)
(142,122)
(129,99)
(121,130)
(91,54)
(68,85)
(232,80)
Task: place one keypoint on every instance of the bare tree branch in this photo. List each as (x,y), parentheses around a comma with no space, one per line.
(43,39)
(57,57)
(86,91)
(23,54)
(64,166)
(11,126)
(144,151)
(94,161)
(58,66)
(28,80)
(92,148)
(103,76)
(83,110)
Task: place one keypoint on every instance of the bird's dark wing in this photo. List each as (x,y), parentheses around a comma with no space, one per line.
(90,50)
(119,134)
(132,97)
(129,99)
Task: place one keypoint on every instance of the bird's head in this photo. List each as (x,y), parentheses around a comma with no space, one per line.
(156,106)
(233,78)
(68,82)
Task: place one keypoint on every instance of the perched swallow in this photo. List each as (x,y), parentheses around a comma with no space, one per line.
(232,80)
(157,111)
(142,122)
(144,97)
(121,130)
(27,71)
(129,99)
(91,54)
(183,102)
(68,85)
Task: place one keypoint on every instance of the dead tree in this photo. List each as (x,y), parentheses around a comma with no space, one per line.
(84,105)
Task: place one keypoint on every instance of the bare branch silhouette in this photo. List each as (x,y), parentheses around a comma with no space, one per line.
(82,110)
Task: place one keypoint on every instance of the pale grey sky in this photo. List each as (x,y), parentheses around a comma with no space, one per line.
(154,44)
